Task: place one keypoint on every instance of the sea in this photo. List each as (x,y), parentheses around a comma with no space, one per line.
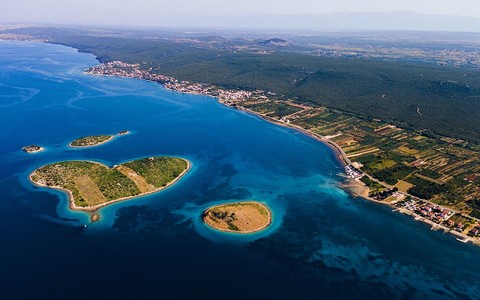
(322,243)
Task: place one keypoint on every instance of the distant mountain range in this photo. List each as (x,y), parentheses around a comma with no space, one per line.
(334,22)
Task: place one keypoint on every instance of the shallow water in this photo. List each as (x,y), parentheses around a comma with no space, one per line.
(322,242)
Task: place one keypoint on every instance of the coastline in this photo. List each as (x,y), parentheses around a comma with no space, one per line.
(226,97)
(269,216)
(94,208)
(341,156)
(351,186)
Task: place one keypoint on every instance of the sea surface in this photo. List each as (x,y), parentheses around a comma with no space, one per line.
(323,244)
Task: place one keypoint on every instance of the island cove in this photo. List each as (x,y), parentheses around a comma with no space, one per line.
(405,178)
(91,185)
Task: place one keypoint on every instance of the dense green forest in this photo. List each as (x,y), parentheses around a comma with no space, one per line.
(440,99)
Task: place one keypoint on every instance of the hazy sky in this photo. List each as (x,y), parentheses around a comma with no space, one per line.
(150,12)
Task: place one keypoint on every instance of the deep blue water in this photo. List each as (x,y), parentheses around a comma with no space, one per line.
(323,244)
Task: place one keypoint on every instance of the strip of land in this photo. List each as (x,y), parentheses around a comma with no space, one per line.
(91,185)
(435,179)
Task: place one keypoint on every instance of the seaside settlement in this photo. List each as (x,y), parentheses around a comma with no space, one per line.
(434,179)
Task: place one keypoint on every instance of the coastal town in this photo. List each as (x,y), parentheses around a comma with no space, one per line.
(436,181)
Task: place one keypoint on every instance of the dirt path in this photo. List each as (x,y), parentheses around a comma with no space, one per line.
(139,181)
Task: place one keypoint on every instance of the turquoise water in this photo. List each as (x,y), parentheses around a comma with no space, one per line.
(322,242)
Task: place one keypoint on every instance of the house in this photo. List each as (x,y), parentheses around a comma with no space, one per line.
(444,213)
(473,232)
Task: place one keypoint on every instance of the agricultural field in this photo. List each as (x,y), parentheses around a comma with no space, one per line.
(272,109)
(445,171)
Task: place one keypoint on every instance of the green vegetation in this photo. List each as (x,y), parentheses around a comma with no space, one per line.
(446,171)
(425,189)
(274,110)
(93,184)
(430,173)
(412,121)
(158,171)
(475,204)
(111,183)
(372,185)
(394,174)
(89,141)
(441,99)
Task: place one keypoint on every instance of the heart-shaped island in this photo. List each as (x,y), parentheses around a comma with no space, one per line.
(91,185)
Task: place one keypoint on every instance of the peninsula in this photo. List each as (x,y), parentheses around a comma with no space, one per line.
(240,217)
(33,149)
(91,185)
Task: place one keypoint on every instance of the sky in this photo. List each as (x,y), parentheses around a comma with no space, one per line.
(155,12)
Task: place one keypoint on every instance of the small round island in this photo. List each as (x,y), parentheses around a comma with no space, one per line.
(240,217)
(33,149)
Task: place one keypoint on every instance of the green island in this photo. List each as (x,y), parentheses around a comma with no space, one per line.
(92,185)
(240,217)
(90,141)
